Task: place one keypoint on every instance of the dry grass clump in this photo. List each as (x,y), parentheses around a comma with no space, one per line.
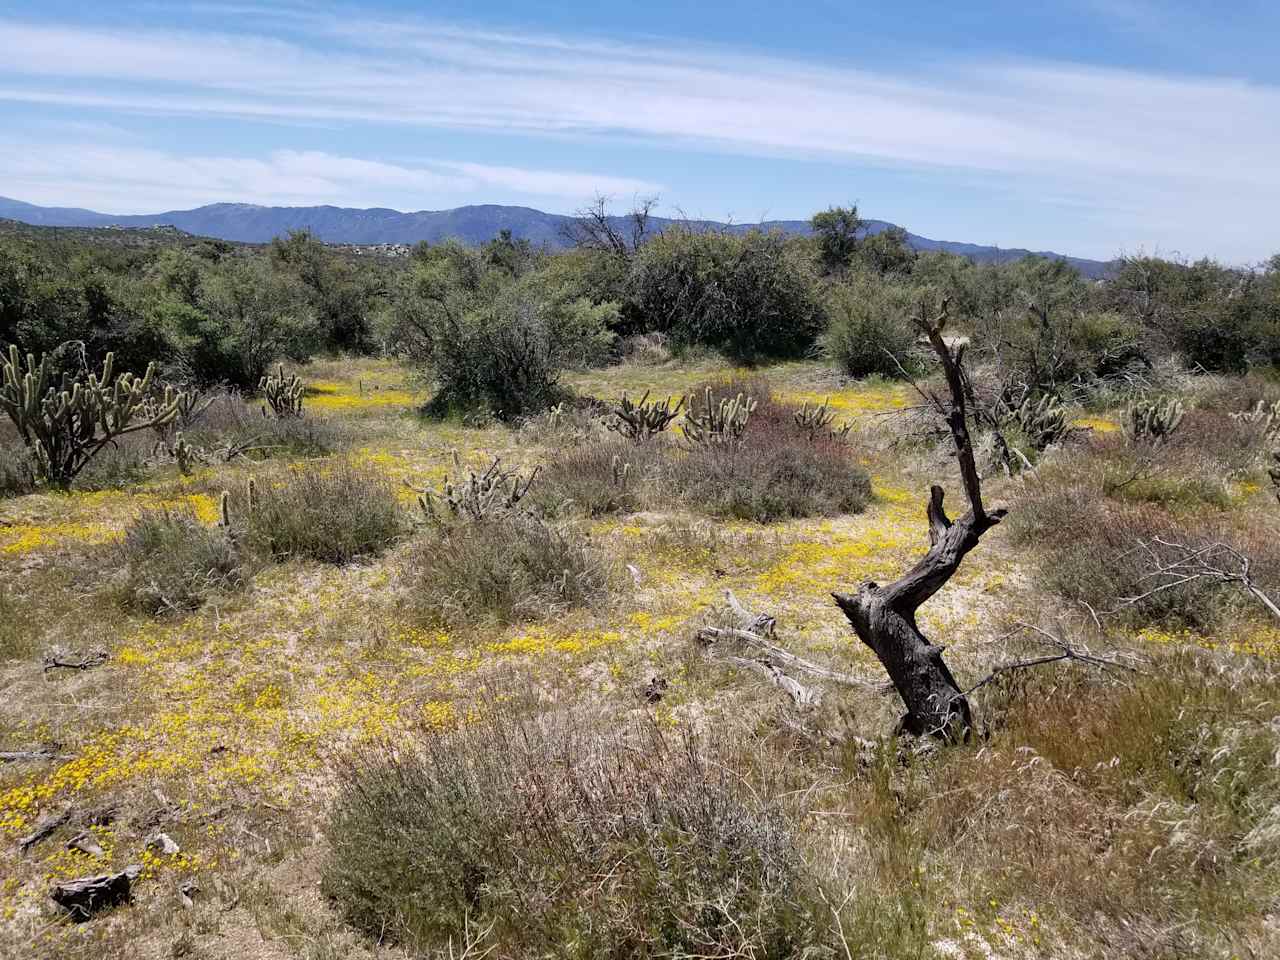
(604,477)
(568,842)
(646,349)
(505,569)
(171,562)
(233,424)
(330,511)
(776,473)
(1096,515)
(18,630)
(1140,815)
(17,473)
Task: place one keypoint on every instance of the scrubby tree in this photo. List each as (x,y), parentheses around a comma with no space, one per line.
(248,317)
(888,253)
(751,295)
(838,231)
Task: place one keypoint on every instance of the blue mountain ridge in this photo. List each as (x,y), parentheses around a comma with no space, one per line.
(249,223)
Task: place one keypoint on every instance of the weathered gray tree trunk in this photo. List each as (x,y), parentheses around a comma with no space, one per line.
(884,617)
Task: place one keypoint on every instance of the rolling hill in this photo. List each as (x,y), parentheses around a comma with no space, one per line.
(472,224)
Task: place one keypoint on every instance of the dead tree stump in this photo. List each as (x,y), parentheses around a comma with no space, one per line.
(884,617)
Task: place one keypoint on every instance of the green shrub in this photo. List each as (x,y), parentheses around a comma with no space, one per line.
(246,318)
(171,562)
(869,331)
(568,843)
(749,295)
(333,512)
(507,569)
(493,342)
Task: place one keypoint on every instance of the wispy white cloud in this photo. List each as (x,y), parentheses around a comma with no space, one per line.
(1181,148)
(129,180)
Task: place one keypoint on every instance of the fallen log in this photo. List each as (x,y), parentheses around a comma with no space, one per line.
(44,827)
(22,756)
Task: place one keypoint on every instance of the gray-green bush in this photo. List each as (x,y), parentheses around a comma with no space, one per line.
(171,562)
(510,568)
(869,331)
(330,511)
(564,843)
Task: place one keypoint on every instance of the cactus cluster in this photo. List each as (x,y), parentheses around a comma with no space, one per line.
(1264,416)
(640,421)
(1043,422)
(64,426)
(283,394)
(814,419)
(722,422)
(475,497)
(1155,420)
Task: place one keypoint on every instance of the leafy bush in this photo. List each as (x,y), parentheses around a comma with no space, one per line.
(507,569)
(568,844)
(247,317)
(869,332)
(750,295)
(171,562)
(333,512)
(506,355)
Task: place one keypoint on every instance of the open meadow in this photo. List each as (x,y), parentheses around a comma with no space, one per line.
(1094,810)
(695,594)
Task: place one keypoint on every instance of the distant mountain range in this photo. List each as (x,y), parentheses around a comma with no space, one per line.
(249,223)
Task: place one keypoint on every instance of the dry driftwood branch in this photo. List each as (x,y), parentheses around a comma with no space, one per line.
(21,756)
(884,617)
(53,661)
(1066,651)
(1178,564)
(755,631)
(44,827)
(87,895)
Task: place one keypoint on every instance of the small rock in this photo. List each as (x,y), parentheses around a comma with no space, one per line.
(162,843)
(186,893)
(86,843)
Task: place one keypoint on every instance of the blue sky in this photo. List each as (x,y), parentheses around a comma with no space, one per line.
(1084,126)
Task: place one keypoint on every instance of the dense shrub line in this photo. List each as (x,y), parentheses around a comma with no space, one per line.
(495,325)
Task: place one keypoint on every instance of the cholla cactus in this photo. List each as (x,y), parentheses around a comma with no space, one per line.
(185,454)
(1155,420)
(723,422)
(1264,416)
(640,421)
(819,417)
(65,426)
(284,394)
(1043,422)
(477,497)
(620,472)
